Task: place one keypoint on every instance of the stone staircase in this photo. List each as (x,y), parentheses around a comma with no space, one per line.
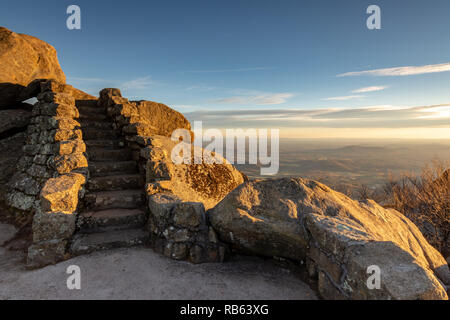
(112,214)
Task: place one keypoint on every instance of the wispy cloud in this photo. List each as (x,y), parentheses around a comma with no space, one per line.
(383,116)
(343,98)
(401,71)
(138,84)
(201,88)
(369,89)
(230,70)
(436,112)
(263,99)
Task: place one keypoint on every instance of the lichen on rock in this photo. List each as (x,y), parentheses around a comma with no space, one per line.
(61,194)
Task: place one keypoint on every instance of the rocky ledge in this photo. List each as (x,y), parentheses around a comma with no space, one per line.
(338,238)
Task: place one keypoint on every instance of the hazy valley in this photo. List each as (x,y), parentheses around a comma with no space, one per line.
(347,164)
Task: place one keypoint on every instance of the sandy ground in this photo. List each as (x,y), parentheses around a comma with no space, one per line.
(140,273)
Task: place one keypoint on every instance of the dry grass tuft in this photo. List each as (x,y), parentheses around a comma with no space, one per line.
(425,200)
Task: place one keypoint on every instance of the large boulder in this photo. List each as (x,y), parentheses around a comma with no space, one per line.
(163,118)
(339,239)
(23,59)
(204,182)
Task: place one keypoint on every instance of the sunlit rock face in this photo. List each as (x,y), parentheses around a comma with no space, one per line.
(141,118)
(198,181)
(61,194)
(338,237)
(23,59)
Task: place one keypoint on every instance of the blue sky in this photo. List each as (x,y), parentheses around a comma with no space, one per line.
(260,63)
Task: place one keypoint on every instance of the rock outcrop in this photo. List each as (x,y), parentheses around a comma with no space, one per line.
(199,181)
(23,59)
(339,239)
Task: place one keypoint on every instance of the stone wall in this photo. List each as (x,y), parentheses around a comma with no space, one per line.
(179,230)
(177,223)
(50,176)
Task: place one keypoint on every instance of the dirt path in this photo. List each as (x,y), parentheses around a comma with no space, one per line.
(140,273)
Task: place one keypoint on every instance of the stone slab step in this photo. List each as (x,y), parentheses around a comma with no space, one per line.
(115,182)
(123,199)
(104,143)
(93,116)
(99,124)
(106,168)
(86,103)
(111,219)
(87,243)
(96,133)
(87,109)
(102,154)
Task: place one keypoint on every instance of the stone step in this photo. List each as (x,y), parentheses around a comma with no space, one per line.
(87,243)
(96,134)
(103,143)
(115,182)
(86,103)
(93,116)
(86,109)
(99,124)
(122,199)
(106,168)
(102,154)
(111,219)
